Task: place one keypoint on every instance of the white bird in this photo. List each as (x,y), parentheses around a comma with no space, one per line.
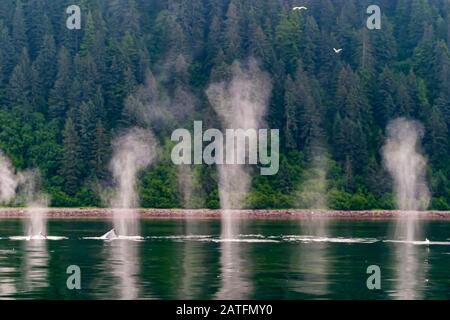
(300,8)
(337,50)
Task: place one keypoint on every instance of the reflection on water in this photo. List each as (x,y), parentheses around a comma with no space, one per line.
(121,267)
(234,268)
(193,266)
(311,262)
(410,259)
(411,268)
(7,281)
(34,267)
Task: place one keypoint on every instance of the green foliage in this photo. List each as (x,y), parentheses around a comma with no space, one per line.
(440,203)
(339,200)
(63,94)
(158,187)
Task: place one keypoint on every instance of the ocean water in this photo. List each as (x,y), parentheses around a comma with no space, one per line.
(188,259)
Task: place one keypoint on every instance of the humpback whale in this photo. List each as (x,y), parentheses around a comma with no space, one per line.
(110,235)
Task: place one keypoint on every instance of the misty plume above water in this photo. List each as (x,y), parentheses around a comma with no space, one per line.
(132,152)
(163,103)
(313,191)
(24,188)
(406,164)
(164,100)
(240,103)
(8,180)
(36,201)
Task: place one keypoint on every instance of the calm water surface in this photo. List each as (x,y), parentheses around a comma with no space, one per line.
(267,259)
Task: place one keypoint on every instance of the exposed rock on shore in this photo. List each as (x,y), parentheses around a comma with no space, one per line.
(86,213)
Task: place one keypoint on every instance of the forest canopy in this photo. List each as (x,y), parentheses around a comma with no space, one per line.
(65,94)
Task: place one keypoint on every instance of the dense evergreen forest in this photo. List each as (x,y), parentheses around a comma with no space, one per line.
(64,94)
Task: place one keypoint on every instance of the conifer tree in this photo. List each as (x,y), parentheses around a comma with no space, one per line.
(19,87)
(60,93)
(19,29)
(70,162)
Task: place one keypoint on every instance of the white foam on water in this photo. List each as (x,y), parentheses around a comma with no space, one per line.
(11,251)
(208,238)
(241,240)
(251,236)
(132,238)
(188,237)
(259,238)
(37,238)
(128,238)
(308,239)
(420,243)
(55,238)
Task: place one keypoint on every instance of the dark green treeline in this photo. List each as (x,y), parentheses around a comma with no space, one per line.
(64,93)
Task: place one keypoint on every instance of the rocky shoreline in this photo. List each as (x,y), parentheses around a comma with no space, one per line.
(99,213)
